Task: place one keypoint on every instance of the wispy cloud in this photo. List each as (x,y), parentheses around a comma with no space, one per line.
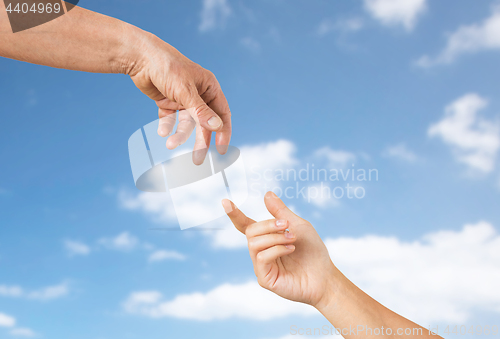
(127,242)
(161,255)
(467,40)
(342,25)
(50,292)
(400,152)
(475,141)
(76,248)
(122,242)
(214,14)
(396,12)
(42,294)
(251,44)
(11,291)
(22,332)
(335,158)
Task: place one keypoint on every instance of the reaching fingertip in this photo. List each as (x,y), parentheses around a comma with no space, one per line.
(170,144)
(290,247)
(199,156)
(222,149)
(270,194)
(162,132)
(228,205)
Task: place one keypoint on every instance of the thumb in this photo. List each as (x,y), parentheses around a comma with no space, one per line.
(277,207)
(203,114)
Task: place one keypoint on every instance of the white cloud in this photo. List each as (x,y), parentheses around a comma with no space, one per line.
(161,255)
(396,12)
(251,44)
(258,159)
(7,320)
(443,276)
(274,154)
(467,40)
(76,248)
(122,242)
(474,140)
(22,332)
(214,14)
(262,161)
(43,294)
(400,152)
(342,25)
(321,196)
(229,238)
(158,206)
(243,301)
(279,154)
(335,158)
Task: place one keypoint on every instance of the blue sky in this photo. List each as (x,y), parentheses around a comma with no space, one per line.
(333,83)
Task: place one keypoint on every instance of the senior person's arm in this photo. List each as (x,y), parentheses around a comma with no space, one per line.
(87,41)
(296,265)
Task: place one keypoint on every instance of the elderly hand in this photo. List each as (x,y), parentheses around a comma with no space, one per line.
(176,83)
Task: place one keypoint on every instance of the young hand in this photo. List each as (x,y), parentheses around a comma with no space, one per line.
(295,265)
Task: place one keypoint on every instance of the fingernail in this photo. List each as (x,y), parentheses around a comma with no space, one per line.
(289,235)
(290,247)
(214,122)
(280,223)
(228,208)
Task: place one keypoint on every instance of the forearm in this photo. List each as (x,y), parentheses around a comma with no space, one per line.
(349,309)
(79,40)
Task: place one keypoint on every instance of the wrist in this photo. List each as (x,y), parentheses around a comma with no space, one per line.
(130,57)
(336,283)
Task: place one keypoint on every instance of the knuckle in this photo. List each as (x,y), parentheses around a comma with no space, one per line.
(210,75)
(249,232)
(259,258)
(251,244)
(202,110)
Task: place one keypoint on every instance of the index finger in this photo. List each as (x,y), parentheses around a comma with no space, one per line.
(238,218)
